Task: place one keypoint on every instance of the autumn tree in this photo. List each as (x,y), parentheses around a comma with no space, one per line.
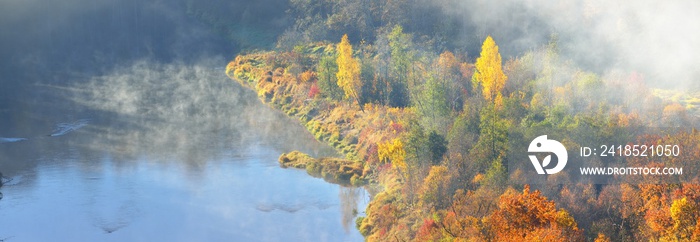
(462,220)
(435,188)
(684,214)
(393,151)
(348,70)
(529,216)
(489,73)
(456,84)
(675,115)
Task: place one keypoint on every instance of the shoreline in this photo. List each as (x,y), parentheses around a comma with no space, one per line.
(355,133)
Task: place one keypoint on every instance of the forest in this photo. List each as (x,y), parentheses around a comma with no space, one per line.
(427,109)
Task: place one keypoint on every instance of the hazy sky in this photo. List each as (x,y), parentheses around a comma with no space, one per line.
(660,39)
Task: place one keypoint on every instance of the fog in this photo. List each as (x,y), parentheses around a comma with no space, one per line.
(140,77)
(117,116)
(178,110)
(659,39)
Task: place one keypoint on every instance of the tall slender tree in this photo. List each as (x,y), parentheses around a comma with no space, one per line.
(489,73)
(348,70)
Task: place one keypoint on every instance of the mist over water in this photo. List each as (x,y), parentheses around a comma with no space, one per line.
(179,109)
(117,123)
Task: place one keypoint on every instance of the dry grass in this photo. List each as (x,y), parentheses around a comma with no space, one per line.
(352,132)
(340,171)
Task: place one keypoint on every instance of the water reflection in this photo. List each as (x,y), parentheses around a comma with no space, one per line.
(164,152)
(349,198)
(187,109)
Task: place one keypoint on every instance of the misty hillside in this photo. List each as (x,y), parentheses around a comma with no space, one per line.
(431,103)
(437,101)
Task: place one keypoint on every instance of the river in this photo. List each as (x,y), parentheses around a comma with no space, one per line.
(160,152)
(117,123)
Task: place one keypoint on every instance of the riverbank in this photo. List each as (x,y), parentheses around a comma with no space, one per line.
(353,132)
(333,170)
(344,126)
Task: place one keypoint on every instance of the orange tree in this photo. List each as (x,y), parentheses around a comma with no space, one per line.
(529,216)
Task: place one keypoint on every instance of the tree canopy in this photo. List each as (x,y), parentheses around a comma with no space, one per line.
(489,73)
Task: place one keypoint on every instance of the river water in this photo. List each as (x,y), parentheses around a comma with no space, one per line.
(160,152)
(117,123)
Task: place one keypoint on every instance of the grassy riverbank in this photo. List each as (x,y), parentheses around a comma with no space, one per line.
(284,85)
(355,133)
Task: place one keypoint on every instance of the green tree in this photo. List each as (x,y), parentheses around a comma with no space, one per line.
(417,144)
(372,87)
(433,105)
(400,45)
(493,138)
(437,144)
(327,80)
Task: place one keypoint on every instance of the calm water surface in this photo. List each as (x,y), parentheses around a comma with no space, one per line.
(160,152)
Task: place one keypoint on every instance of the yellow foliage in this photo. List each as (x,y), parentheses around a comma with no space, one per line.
(675,114)
(682,212)
(489,73)
(564,219)
(307,76)
(369,107)
(348,69)
(394,152)
(478,178)
(230,68)
(674,109)
(624,120)
(602,238)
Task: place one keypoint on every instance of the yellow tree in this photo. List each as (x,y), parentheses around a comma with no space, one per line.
(684,216)
(393,151)
(489,73)
(348,70)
